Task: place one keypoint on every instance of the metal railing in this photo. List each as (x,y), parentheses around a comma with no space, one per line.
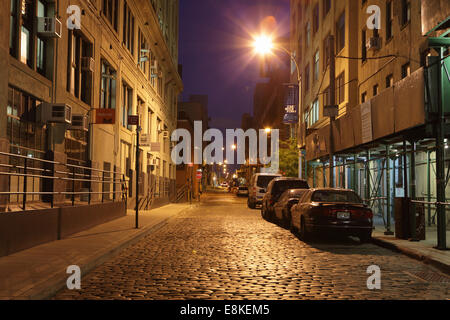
(73,175)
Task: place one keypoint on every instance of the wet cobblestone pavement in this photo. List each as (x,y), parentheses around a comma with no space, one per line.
(223,250)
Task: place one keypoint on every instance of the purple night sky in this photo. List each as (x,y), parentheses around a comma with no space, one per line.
(214,50)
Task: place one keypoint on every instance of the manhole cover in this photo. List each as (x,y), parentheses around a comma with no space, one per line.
(430,276)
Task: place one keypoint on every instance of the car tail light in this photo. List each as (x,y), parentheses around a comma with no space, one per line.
(362,213)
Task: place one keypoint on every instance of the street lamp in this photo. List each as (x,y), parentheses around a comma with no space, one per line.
(264,45)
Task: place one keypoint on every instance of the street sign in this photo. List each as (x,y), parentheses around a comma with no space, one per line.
(144,140)
(105,116)
(133,120)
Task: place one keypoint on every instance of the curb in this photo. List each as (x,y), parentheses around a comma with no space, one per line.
(412,254)
(58,281)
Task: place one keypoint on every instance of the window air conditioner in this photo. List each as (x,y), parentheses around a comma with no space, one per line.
(49,27)
(80,122)
(54,113)
(166,134)
(88,64)
(373,43)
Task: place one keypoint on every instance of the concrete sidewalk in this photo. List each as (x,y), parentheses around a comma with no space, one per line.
(39,272)
(420,250)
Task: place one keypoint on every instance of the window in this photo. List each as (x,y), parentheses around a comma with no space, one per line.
(406,70)
(307,78)
(389,20)
(150,123)
(24,135)
(389,81)
(316,18)
(13,29)
(326,7)
(128,28)
(316,65)
(108,87)
(364,97)
(109,10)
(26,33)
(375,90)
(143,54)
(79,81)
(127,104)
(406,11)
(314,113)
(340,33)
(340,88)
(363,46)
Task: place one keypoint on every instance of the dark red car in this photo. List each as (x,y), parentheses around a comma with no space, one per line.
(324,211)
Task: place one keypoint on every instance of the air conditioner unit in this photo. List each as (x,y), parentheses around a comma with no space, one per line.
(88,64)
(159,128)
(54,113)
(166,135)
(373,43)
(79,122)
(49,27)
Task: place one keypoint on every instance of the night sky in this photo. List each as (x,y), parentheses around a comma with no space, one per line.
(215,39)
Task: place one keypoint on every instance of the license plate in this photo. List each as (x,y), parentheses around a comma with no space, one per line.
(343,215)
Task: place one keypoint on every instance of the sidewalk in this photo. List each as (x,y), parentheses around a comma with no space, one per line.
(39,272)
(422,250)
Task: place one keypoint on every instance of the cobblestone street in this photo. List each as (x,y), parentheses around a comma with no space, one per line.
(223,250)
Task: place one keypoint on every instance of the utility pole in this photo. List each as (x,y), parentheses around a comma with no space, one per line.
(138,130)
(332,103)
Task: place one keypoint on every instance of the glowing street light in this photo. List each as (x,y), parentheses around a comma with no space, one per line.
(263,44)
(268,130)
(233,147)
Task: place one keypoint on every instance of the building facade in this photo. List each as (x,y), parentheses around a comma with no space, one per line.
(101,60)
(383,140)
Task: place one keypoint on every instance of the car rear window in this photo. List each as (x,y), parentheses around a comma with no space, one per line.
(284,185)
(335,196)
(263,181)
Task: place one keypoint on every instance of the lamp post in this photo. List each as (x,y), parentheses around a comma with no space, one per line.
(264,45)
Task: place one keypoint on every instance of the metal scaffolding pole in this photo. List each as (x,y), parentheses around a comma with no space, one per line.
(440,164)
(412,172)
(388,231)
(368,176)
(355,172)
(429,186)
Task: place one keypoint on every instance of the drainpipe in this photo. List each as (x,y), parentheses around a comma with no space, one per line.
(412,170)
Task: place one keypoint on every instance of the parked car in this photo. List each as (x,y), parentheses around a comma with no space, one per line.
(274,190)
(242,191)
(224,185)
(257,188)
(332,211)
(287,200)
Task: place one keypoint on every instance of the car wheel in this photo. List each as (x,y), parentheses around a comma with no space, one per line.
(365,237)
(263,212)
(251,204)
(303,234)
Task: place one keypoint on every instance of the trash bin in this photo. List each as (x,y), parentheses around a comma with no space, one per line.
(402,221)
(403,207)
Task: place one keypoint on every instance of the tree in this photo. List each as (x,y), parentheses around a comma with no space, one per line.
(289,158)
